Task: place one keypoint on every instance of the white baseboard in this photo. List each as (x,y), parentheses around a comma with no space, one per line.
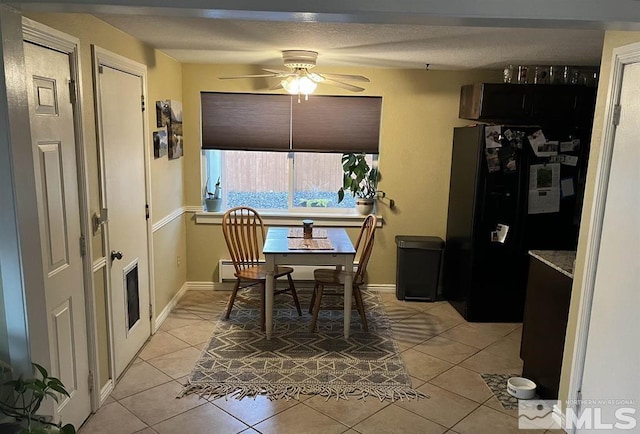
(559,416)
(201,286)
(169,307)
(105,392)
(210,286)
(382,287)
(228,286)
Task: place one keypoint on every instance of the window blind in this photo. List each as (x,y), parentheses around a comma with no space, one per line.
(337,124)
(263,122)
(245,121)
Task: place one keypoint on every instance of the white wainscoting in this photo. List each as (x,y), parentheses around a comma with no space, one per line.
(302,273)
(284,218)
(168,219)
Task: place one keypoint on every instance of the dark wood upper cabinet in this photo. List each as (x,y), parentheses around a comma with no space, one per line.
(527,103)
(489,101)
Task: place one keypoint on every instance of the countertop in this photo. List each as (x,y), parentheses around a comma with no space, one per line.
(561,260)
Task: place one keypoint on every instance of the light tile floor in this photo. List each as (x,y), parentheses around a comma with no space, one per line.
(443,353)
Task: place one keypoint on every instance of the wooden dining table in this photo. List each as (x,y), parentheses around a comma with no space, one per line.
(280,250)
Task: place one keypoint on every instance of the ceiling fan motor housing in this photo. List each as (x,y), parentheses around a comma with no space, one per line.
(299,58)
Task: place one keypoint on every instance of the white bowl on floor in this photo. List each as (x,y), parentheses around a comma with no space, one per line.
(521,388)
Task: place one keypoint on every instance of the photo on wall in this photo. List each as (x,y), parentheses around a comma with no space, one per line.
(175,140)
(169,114)
(160,143)
(163,113)
(175,110)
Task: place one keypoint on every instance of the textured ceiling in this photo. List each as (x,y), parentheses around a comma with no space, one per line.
(202,40)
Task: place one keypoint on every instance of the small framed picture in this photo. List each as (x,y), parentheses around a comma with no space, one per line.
(159,143)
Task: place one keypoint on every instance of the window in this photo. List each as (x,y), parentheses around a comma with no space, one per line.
(278,180)
(272,153)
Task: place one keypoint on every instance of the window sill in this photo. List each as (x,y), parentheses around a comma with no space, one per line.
(283,218)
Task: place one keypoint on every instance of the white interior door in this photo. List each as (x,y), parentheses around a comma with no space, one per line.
(613,345)
(53,139)
(122,129)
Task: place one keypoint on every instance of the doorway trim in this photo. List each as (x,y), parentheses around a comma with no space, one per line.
(53,39)
(622,56)
(101,56)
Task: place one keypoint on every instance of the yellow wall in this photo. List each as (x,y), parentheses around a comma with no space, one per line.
(419,112)
(613,39)
(164,81)
(170,261)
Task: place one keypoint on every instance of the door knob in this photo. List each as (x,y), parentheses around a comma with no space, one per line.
(115,255)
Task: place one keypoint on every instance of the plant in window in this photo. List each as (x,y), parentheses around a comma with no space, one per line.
(360,180)
(21,398)
(214,199)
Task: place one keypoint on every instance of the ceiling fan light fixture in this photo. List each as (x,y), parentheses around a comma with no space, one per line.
(296,85)
(297,80)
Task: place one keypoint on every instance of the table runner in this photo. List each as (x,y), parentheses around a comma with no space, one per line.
(298,233)
(309,244)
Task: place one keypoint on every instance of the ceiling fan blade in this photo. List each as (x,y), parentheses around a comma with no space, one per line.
(315,77)
(346,86)
(347,77)
(248,76)
(276,86)
(276,71)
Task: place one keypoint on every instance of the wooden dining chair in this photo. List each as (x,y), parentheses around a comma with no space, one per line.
(334,278)
(244,233)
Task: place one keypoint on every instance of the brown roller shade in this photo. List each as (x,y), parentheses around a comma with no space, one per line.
(245,121)
(337,124)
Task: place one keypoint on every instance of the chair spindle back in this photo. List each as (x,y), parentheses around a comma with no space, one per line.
(244,234)
(364,246)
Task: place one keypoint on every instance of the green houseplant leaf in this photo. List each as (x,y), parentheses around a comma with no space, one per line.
(21,399)
(359,178)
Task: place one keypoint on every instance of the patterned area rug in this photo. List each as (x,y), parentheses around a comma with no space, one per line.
(239,361)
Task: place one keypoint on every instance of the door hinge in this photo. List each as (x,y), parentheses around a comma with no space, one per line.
(83,246)
(150,311)
(146,210)
(616,114)
(142,101)
(72,91)
(90,380)
(100,69)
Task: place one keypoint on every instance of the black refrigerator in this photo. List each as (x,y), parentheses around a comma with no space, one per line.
(491,223)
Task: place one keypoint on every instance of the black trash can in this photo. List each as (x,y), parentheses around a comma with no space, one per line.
(418,267)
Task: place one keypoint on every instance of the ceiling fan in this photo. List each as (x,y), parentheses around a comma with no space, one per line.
(298,80)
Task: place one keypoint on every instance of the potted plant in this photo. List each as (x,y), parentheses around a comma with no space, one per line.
(21,398)
(213,200)
(360,180)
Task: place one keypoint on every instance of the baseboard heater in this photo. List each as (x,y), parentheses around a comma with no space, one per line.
(300,272)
